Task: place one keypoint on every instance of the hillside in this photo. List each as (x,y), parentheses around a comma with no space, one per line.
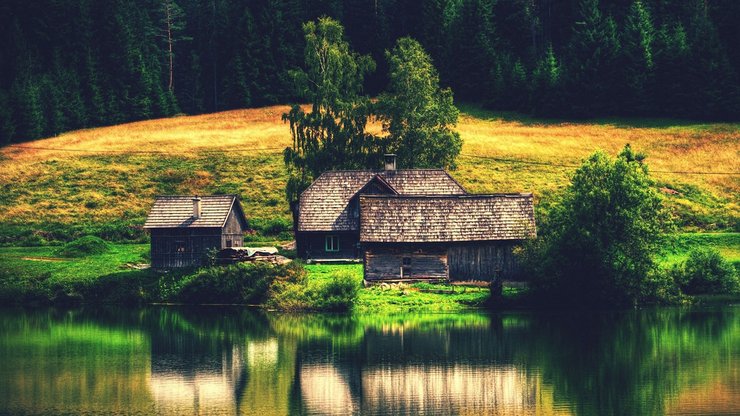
(103,180)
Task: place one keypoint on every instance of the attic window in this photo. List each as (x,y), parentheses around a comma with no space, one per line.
(331,243)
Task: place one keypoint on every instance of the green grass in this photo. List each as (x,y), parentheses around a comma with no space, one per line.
(677,246)
(37,261)
(404,297)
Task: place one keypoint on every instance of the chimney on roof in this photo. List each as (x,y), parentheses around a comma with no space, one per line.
(197,207)
(390,161)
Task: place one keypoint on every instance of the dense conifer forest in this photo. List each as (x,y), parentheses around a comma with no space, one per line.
(69,64)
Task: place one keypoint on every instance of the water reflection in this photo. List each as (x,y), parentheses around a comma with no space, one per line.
(167,360)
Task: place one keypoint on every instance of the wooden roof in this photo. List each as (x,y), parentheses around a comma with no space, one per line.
(324,206)
(177,212)
(414,219)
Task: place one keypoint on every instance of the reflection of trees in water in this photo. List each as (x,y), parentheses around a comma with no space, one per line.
(632,362)
(207,360)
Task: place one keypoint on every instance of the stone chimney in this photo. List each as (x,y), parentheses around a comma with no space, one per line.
(197,207)
(390,161)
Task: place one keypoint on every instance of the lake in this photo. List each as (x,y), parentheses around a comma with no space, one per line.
(218,360)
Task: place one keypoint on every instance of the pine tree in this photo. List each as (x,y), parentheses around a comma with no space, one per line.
(172,24)
(7,124)
(637,57)
(547,94)
(592,54)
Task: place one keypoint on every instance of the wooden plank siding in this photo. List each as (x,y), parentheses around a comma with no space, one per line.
(312,245)
(232,235)
(482,261)
(195,242)
(386,262)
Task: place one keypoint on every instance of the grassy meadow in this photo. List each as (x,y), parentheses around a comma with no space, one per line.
(102,181)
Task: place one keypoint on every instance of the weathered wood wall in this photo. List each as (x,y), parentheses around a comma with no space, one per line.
(312,245)
(197,241)
(232,231)
(385,262)
(482,261)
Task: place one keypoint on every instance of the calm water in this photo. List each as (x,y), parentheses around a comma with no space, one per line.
(180,361)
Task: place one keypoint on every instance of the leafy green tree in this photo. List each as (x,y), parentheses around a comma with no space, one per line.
(418,116)
(332,135)
(597,244)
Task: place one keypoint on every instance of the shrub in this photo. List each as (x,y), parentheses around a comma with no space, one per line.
(706,272)
(237,283)
(335,294)
(84,246)
(273,226)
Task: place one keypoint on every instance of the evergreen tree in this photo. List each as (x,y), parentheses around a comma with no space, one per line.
(547,93)
(592,56)
(418,116)
(637,56)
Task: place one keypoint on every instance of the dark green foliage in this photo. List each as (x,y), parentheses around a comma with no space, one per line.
(592,61)
(68,64)
(84,246)
(706,272)
(241,283)
(417,115)
(596,245)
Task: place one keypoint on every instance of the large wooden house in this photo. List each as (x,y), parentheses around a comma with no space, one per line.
(328,226)
(411,224)
(458,237)
(184,228)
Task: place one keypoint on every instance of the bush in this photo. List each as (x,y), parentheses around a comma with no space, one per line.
(84,246)
(335,294)
(274,227)
(596,244)
(238,283)
(706,272)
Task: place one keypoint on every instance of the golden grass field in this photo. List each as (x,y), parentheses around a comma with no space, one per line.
(113,173)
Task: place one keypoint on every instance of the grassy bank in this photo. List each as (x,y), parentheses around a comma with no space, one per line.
(39,274)
(102,181)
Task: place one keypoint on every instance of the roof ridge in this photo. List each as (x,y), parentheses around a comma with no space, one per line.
(461,196)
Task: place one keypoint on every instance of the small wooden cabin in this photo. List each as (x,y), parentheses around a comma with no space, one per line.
(184,228)
(452,237)
(328,214)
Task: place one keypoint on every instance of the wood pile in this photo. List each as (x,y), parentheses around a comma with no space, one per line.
(250,254)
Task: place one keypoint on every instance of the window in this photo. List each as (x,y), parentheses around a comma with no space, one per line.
(228,243)
(406,267)
(179,246)
(332,243)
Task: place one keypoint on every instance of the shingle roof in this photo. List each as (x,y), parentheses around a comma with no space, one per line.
(324,206)
(177,211)
(406,219)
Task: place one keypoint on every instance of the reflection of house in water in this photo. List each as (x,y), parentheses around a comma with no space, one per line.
(196,375)
(400,370)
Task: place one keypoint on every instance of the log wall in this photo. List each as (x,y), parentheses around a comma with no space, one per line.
(482,261)
(385,262)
